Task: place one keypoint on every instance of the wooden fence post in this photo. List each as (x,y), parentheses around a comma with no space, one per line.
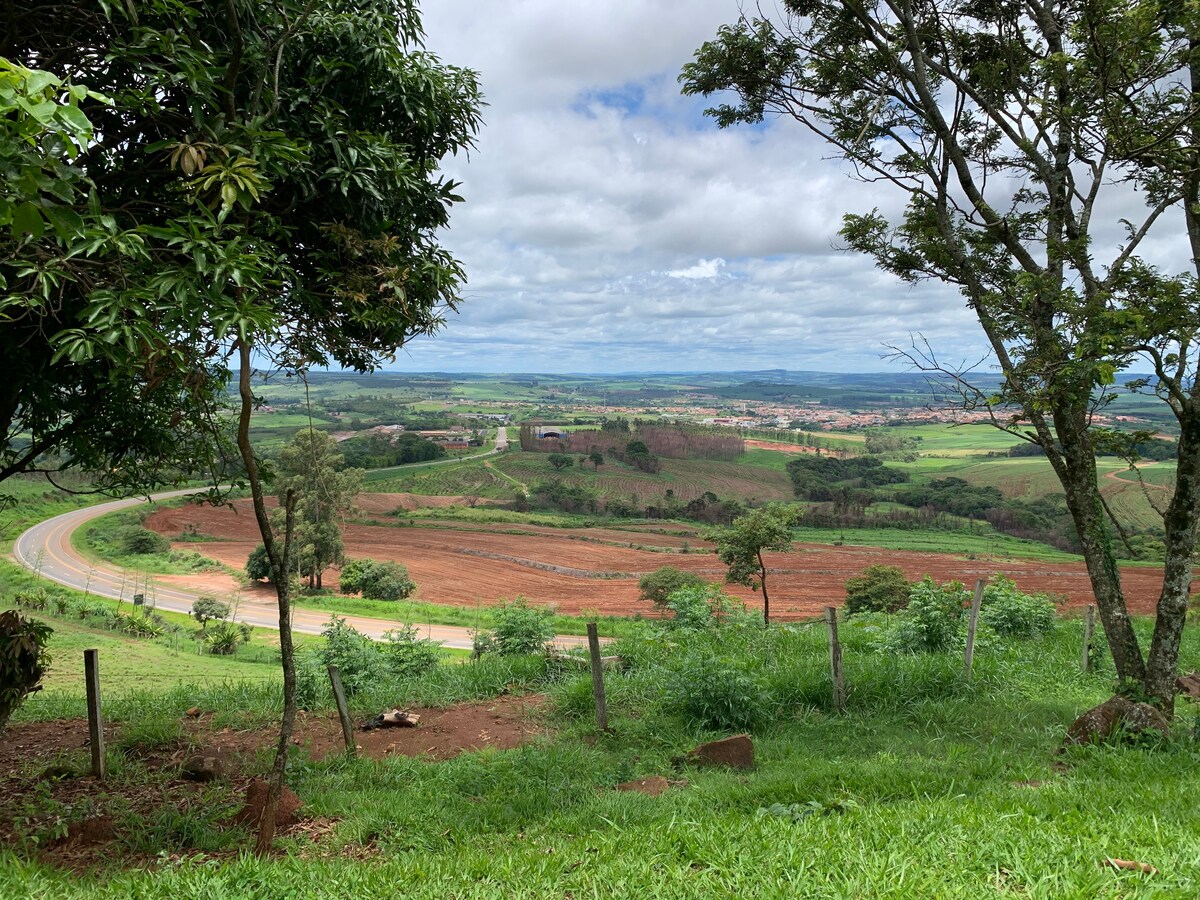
(835,660)
(972,622)
(339,698)
(597,676)
(91,675)
(1089,630)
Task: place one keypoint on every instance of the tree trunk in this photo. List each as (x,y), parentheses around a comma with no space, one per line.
(1180,522)
(280,565)
(762,580)
(1080,482)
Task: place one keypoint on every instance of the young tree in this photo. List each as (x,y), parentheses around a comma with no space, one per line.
(741,545)
(207,608)
(311,467)
(560,461)
(262,187)
(1018,133)
(596,458)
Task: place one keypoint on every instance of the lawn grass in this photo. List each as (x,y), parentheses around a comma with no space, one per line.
(929,785)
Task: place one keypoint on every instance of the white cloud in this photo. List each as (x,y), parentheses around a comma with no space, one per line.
(706,268)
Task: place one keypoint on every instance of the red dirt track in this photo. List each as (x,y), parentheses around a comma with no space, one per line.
(595,570)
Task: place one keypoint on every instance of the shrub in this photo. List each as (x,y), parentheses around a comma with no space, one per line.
(659,585)
(409,655)
(224,638)
(703,606)
(877,589)
(519,628)
(35,599)
(1013,614)
(358,659)
(720,694)
(138,626)
(206,608)
(258,564)
(376,580)
(933,620)
(91,609)
(139,541)
(23,660)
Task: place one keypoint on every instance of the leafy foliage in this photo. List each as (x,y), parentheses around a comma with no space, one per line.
(258,564)
(359,659)
(1013,614)
(741,545)
(205,608)
(377,580)
(932,621)
(720,693)
(23,660)
(518,628)
(409,655)
(657,586)
(879,588)
(224,638)
(704,606)
(141,541)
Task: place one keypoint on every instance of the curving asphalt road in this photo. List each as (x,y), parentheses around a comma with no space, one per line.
(46,548)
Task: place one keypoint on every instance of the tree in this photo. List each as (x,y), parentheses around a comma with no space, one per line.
(262,188)
(560,460)
(258,564)
(659,585)
(385,580)
(741,545)
(311,468)
(1017,133)
(596,458)
(206,608)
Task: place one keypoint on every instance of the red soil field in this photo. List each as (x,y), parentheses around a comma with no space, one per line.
(595,570)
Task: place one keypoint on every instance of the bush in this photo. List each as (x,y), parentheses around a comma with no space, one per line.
(138,626)
(23,660)
(136,540)
(358,659)
(659,585)
(224,638)
(877,589)
(703,606)
(206,608)
(35,599)
(932,623)
(519,628)
(376,580)
(1013,614)
(720,694)
(409,655)
(258,564)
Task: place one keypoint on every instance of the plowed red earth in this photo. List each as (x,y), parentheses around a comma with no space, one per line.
(585,571)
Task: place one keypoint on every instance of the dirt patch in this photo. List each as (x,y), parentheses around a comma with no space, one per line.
(584,571)
(51,810)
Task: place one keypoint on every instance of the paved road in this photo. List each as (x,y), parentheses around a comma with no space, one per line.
(46,547)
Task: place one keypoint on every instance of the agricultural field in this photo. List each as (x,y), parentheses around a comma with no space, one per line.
(595,570)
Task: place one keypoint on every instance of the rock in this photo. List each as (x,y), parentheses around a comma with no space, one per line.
(203,767)
(1189,685)
(1113,719)
(651,787)
(736,752)
(256,803)
(193,713)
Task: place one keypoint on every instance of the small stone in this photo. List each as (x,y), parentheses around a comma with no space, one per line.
(651,787)
(194,712)
(203,767)
(735,752)
(1114,718)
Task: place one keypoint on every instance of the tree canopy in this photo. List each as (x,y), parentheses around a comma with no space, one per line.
(179,176)
(740,546)
(1039,147)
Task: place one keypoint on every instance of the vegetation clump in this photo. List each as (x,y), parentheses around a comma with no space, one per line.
(518,628)
(23,660)
(658,586)
(377,580)
(879,588)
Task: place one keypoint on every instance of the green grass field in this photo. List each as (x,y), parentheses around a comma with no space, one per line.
(928,785)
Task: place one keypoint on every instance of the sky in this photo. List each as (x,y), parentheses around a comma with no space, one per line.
(609,226)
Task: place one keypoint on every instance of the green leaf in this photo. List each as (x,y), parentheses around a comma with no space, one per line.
(27,220)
